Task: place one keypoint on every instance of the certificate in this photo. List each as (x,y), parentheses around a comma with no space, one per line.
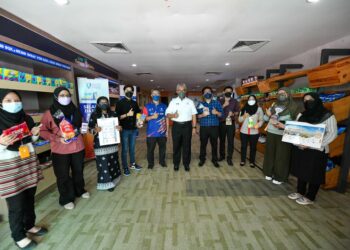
(304,134)
(109,133)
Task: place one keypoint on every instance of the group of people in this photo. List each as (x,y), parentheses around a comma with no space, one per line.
(218,119)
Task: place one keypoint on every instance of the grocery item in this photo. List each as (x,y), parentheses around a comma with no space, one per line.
(10,74)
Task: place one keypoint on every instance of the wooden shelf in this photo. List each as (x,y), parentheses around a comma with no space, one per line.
(43,148)
(5,84)
(337,146)
(251,84)
(340,108)
(289,76)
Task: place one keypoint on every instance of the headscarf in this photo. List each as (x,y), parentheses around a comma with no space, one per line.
(317,114)
(251,110)
(70,112)
(290,107)
(8,120)
(98,111)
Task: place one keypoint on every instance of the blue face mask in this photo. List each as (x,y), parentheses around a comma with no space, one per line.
(12,107)
(208,96)
(156,98)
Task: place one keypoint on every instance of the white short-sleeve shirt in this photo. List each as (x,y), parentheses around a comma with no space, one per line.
(185,108)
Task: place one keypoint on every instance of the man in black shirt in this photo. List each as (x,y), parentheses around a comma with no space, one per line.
(127,110)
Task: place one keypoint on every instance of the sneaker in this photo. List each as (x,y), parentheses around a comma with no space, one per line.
(85,195)
(268,178)
(69,206)
(37,231)
(135,167)
(126,171)
(294,196)
(26,243)
(277,182)
(216,164)
(304,201)
(201,163)
(252,165)
(242,163)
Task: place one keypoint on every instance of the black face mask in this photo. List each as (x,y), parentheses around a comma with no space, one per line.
(128,94)
(309,105)
(228,94)
(104,106)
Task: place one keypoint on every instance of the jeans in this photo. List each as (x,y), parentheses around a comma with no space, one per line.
(128,141)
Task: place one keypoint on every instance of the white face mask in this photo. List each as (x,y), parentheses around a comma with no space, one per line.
(251,102)
(64,100)
(12,107)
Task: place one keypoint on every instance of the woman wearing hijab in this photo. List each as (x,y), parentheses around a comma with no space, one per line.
(277,154)
(251,117)
(311,172)
(107,161)
(67,148)
(19,170)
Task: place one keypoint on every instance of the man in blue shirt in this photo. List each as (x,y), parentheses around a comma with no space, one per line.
(209,113)
(157,128)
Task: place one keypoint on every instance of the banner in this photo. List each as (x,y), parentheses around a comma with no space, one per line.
(89,90)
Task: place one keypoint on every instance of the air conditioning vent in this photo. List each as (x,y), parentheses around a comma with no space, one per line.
(213,73)
(109,47)
(143,74)
(248,46)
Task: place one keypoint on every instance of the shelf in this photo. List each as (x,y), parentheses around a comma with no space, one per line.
(267,86)
(6,84)
(241,91)
(331,74)
(251,84)
(337,146)
(340,108)
(43,148)
(289,76)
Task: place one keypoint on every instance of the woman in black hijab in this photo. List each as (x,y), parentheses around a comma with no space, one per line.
(61,125)
(19,170)
(107,160)
(309,165)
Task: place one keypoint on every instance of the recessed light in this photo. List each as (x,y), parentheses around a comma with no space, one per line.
(133,65)
(312,1)
(207,80)
(62,2)
(151,80)
(177,47)
(227,64)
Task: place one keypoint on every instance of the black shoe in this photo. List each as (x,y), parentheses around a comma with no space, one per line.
(41,232)
(110,189)
(221,158)
(187,168)
(201,163)
(229,162)
(163,165)
(31,245)
(176,167)
(252,165)
(216,164)
(242,163)
(150,166)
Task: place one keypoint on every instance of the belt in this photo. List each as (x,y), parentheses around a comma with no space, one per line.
(182,123)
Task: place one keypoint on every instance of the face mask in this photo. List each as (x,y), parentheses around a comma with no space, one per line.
(310,104)
(104,106)
(128,94)
(251,102)
(228,94)
(64,100)
(208,96)
(181,95)
(282,97)
(156,98)
(12,107)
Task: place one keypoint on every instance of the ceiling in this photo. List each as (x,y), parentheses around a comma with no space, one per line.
(205,29)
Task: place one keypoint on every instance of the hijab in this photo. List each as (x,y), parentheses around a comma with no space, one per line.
(251,110)
(289,106)
(315,114)
(8,120)
(70,111)
(98,111)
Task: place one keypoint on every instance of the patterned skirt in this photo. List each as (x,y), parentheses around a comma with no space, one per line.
(108,169)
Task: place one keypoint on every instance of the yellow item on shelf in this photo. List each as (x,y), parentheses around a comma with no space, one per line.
(39,80)
(10,74)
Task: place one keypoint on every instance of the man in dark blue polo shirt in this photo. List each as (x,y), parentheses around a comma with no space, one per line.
(209,113)
(157,128)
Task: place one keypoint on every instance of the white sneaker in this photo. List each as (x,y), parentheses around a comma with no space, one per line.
(277,182)
(25,243)
(304,201)
(85,195)
(268,178)
(294,196)
(69,206)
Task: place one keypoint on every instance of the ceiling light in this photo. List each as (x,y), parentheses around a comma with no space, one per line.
(151,80)
(312,1)
(62,2)
(227,64)
(177,47)
(133,65)
(207,80)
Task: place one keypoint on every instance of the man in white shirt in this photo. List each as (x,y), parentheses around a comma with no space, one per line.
(182,112)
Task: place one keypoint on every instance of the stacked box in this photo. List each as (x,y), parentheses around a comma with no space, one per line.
(39,80)
(10,74)
(34,79)
(24,77)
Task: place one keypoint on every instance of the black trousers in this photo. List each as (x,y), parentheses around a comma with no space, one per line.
(68,186)
(311,191)
(151,145)
(21,213)
(209,133)
(253,140)
(226,131)
(182,136)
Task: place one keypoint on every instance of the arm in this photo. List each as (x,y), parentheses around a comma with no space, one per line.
(220,110)
(241,117)
(46,131)
(260,117)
